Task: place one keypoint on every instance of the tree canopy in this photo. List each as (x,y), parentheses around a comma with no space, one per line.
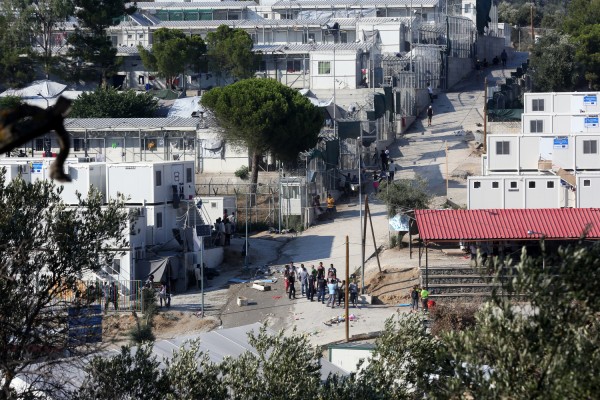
(172,52)
(16,62)
(230,53)
(553,64)
(89,43)
(45,248)
(404,194)
(110,103)
(265,116)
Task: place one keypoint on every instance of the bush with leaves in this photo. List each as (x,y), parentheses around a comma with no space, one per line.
(110,103)
(404,194)
(242,172)
(45,248)
(547,347)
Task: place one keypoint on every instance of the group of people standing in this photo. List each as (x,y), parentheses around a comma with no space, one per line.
(224,228)
(324,284)
(420,295)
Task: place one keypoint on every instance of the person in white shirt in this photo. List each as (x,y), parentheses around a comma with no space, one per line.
(430,91)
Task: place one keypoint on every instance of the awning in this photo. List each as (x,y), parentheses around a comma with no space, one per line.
(508,224)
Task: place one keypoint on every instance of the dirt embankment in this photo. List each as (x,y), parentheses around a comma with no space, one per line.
(392,286)
(168,324)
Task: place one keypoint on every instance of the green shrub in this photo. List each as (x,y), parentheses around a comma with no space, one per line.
(242,172)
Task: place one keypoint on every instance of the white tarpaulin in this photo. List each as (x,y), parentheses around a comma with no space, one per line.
(400,223)
(213,148)
(38,89)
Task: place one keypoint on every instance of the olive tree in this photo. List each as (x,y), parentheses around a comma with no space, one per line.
(46,247)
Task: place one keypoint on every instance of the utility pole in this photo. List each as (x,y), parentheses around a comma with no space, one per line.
(364,240)
(532,30)
(347,319)
(485,115)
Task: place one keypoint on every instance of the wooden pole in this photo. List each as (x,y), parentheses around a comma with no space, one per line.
(446,169)
(532,30)
(368,211)
(346,289)
(364,241)
(485,115)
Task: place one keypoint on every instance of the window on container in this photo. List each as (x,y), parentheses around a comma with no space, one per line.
(513,185)
(590,146)
(158,178)
(159,221)
(587,182)
(78,144)
(324,67)
(467,8)
(502,148)
(536,126)
(550,185)
(188,175)
(495,185)
(476,185)
(294,65)
(537,105)
(531,184)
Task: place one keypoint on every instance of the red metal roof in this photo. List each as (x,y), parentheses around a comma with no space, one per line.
(508,224)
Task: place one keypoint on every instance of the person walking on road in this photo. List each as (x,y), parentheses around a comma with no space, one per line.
(353,289)
(291,281)
(429,115)
(414,296)
(430,91)
(310,291)
(303,280)
(321,286)
(424,299)
(503,57)
(384,160)
(332,287)
(391,171)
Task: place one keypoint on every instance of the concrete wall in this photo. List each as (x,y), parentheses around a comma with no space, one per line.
(458,68)
(488,46)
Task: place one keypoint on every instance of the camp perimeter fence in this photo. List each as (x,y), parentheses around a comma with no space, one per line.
(126,295)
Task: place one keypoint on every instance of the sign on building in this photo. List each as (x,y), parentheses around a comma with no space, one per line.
(591,121)
(590,100)
(561,142)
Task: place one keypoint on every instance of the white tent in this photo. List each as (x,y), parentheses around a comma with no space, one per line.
(38,89)
(42,94)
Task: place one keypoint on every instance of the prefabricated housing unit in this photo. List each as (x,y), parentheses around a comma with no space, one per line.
(151,183)
(518,191)
(213,207)
(507,152)
(83,176)
(562,103)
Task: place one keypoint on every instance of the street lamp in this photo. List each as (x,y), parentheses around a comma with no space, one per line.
(542,245)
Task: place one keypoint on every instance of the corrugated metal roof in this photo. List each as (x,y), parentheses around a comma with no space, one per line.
(124,124)
(244,23)
(507,224)
(299,4)
(165,5)
(308,48)
(202,24)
